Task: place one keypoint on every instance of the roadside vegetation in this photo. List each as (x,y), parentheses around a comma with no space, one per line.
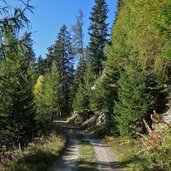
(152,152)
(38,156)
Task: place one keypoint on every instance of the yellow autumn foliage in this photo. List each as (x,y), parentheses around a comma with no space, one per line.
(39,85)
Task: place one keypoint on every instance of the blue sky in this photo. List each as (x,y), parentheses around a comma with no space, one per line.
(50,15)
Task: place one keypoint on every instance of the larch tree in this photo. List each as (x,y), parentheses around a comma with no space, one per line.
(48,96)
(78,46)
(139,55)
(16,84)
(17,110)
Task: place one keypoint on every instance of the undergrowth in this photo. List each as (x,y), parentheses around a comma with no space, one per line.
(152,152)
(38,156)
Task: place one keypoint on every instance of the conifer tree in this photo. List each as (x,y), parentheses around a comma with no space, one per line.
(81,102)
(78,35)
(104,93)
(78,46)
(120,3)
(133,103)
(17,108)
(78,101)
(62,54)
(50,57)
(41,66)
(17,85)
(98,32)
(136,38)
(139,95)
(48,97)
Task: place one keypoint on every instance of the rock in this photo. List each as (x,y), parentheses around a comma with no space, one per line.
(101,120)
(167,117)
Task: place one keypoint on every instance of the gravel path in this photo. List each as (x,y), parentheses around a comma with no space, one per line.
(68,161)
(105,159)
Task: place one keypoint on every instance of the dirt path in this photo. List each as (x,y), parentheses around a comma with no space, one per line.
(105,159)
(68,161)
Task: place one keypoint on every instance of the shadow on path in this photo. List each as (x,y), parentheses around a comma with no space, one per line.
(115,166)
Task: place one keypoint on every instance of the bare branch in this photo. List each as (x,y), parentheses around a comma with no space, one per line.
(149,130)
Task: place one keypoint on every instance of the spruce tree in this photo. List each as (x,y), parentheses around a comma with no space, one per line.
(81,102)
(104,93)
(50,58)
(41,66)
(139,95)
(62,54)
(98,32)
(133,103)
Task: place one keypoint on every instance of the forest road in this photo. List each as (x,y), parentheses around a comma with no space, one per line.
(105,159)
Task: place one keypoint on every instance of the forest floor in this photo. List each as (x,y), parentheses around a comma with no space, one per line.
(70,160)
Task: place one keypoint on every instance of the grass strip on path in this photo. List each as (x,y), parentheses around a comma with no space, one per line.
(87,160)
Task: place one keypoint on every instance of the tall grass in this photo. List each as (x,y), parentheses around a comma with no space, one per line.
(38,156)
